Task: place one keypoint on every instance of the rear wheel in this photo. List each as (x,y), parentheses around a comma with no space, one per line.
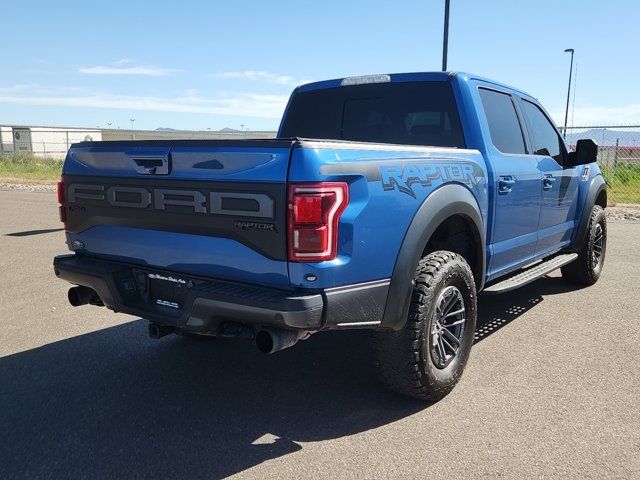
(586,269)
(426,358)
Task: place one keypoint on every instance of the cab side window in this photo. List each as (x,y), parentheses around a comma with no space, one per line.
(504,126)
(544,136)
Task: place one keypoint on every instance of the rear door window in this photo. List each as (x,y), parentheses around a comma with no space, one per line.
(504,125)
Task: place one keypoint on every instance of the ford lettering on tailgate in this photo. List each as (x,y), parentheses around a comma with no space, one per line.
(244,211)
(216,203)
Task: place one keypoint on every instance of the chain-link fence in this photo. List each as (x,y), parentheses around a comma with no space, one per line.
(618,157)
(226,134)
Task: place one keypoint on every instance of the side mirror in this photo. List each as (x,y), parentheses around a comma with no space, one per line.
(586,152)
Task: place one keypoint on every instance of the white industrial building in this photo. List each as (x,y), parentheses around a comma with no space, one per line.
(55,141)
(44,141)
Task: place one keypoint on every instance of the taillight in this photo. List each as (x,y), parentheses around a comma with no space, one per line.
(314,211)
(62,201)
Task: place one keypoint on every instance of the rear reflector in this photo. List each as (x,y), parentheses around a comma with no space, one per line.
(314,212)
(63,215)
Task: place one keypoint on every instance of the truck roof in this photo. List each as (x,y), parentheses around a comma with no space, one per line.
(403,77)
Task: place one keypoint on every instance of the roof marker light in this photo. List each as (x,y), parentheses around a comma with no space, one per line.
(365,79)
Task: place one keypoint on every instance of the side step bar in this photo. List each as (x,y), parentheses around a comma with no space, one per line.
(530,274)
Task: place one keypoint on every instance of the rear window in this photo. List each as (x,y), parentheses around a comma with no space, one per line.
(406,113)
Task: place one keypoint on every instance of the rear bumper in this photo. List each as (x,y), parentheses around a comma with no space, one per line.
(205,304)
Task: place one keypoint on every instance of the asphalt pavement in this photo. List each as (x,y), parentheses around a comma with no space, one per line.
(552,388)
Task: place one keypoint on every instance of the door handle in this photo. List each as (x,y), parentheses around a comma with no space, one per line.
(548,181)
(505,184)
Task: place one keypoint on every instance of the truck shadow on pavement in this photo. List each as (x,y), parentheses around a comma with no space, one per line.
(498,311)
(29,233)
(115,404)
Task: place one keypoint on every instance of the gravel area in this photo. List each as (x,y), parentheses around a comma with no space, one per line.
(29,187)
(622,212)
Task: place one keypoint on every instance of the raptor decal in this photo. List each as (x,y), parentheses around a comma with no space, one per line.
(405,175)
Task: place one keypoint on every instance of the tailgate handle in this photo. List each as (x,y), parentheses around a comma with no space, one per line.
(151,165)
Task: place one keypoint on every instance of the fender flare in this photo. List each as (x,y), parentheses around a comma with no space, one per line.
(596,186)
(449,200)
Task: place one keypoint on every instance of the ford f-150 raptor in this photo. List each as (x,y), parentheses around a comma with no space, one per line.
(386,202)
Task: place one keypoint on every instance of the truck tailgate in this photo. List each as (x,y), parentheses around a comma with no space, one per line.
(209,208)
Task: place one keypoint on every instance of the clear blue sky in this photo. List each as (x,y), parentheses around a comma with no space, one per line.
(197,65)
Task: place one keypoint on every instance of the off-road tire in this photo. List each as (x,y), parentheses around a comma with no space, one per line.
(404,360)
(584,270)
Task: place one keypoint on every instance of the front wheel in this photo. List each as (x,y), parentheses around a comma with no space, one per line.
(426,358)
(586,269)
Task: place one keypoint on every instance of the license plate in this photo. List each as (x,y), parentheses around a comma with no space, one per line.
(167,290)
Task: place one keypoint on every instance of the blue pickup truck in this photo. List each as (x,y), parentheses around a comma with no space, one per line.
(386,202)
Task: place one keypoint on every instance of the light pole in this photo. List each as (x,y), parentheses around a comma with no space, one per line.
(566,112)
(445,40)
(132,120)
